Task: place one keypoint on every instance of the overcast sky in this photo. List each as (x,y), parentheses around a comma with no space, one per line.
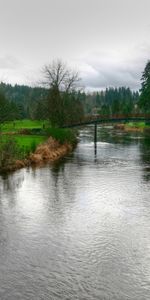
(108,41)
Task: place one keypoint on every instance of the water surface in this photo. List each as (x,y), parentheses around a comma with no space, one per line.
(79,229)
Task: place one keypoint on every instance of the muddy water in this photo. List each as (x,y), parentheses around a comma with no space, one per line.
(79,229)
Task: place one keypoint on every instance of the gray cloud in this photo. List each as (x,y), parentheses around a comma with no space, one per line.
(101,70)
(9,62)
(97,36)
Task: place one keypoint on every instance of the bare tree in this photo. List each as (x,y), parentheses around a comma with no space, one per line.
(61,82)
(58,75)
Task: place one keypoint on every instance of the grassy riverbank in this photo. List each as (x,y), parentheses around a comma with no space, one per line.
(134,127)
(20,140)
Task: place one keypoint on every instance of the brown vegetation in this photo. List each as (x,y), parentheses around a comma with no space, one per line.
(128,128)
(50,151)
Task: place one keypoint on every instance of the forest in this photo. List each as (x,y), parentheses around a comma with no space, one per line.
(24,102)
(61,104)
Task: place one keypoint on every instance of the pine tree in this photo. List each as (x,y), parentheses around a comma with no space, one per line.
(145,89)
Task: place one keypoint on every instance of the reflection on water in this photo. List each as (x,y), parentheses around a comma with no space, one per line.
(79,229)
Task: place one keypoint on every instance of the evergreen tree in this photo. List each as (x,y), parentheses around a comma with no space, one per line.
(4,108)
(145,89)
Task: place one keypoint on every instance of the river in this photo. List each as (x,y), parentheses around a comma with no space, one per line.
(80,228)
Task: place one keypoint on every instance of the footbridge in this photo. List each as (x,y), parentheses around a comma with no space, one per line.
(98,119)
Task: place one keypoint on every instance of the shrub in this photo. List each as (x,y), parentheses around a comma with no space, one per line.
(62,135)
(9,151)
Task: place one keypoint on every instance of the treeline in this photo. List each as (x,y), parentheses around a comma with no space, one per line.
(144,102)
(111,101)
(61,102)
(25,99)
(8,110)
(58,102)
(24,102)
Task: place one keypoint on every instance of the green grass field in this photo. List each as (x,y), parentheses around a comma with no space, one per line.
(141,125)
(22,124)
(138,124)
(28,141)
(20,138)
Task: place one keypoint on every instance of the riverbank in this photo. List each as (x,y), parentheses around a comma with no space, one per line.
(25,147)
(134,127)
(48,152)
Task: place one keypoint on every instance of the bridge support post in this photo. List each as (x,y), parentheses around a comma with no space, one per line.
(95,138)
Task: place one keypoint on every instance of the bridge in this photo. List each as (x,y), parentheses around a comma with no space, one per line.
(98,119)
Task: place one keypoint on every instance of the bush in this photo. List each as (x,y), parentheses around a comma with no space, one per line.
(9,151)
(62,135)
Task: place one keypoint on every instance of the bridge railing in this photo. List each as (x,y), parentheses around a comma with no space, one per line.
(91,119)
(115,116)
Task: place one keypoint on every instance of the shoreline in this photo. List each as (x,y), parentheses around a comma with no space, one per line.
(47,152)
(127,128)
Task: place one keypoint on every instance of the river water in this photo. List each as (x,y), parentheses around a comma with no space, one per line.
(79,229)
